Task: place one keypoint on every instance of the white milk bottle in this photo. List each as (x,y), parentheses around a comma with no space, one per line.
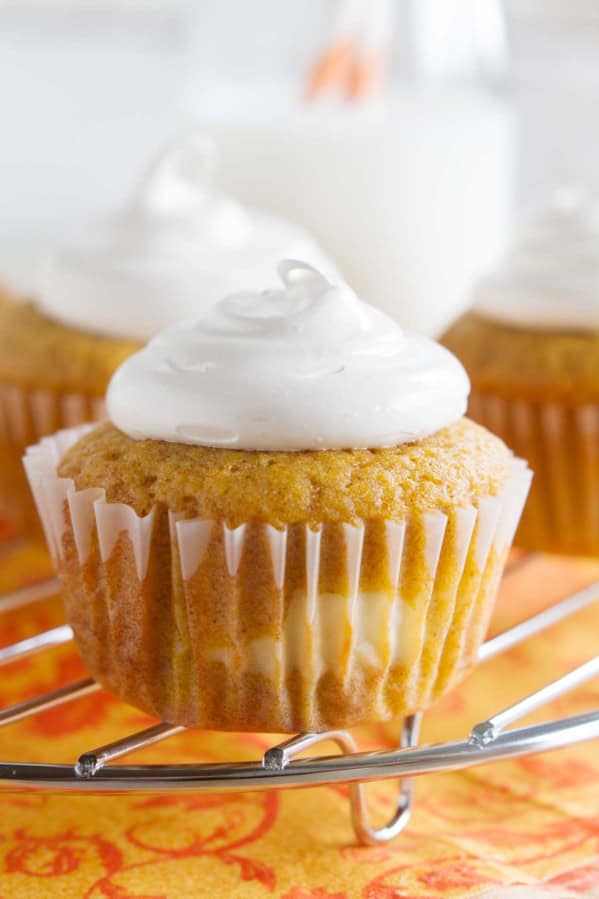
(409,190)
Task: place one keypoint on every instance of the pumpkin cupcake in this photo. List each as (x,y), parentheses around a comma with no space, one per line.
(286,524)
(531,348)
(175,248)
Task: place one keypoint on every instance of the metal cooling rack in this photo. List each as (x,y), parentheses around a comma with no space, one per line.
(280,767)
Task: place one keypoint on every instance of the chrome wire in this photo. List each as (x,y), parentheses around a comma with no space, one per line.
(91,762)
(25,596)
(56,636)
(362,766)
(531,626)
(277,758)
(46,701)
(489,729)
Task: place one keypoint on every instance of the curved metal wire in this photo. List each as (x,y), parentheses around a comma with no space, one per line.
(277,758)
(311,772)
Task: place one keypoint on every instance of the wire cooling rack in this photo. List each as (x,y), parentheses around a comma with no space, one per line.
(281,766)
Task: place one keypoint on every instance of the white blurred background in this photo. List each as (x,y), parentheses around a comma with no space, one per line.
(412,196)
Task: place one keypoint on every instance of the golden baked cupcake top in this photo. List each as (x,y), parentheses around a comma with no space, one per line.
(537,365)
(533,332)
(455,467)
(38,352)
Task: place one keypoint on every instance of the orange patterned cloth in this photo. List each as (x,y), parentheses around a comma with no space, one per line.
(531,822)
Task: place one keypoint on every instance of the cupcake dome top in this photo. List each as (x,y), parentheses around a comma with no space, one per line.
(306,367)
(550,278)
(174,249)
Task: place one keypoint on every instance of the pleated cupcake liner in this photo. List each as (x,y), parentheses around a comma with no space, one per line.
(256,628)
(561,443)
(27,415)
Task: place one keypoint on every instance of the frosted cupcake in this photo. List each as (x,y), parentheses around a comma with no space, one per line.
(174,249)
(531,348)
(286,524)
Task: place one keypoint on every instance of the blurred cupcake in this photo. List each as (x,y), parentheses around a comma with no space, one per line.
(287,524)
(174,249)
(531,348)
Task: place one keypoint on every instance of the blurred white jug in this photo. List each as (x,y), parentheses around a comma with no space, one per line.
(410,190)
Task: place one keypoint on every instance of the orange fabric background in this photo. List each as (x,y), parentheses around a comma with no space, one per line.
(527,821)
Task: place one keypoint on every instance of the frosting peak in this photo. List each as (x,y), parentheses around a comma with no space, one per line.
(175,248)
(178,190)
(550,279)
(304,367)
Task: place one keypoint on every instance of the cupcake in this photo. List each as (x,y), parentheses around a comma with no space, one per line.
(175,248)
(286,524)
(531,348)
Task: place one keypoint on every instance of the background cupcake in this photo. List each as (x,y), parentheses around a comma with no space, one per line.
(531,348)
(287,525)
(176,247)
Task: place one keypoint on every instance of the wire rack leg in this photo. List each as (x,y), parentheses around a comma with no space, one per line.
(278,757)
(367,834)
(25,596)
(68,693)
(94,760)
(488,730)
(56,636)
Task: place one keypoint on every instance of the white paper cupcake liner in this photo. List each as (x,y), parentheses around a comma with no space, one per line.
(27,415)
(264,629)
(561,444)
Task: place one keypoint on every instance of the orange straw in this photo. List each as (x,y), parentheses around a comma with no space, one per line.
(355,61)
(332,68)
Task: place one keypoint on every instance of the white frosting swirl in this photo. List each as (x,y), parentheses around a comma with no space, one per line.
(307,367)
(550,280)
(175,249)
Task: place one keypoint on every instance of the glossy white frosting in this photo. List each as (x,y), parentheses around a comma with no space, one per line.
(306,367)
(176,248)
(550,280)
